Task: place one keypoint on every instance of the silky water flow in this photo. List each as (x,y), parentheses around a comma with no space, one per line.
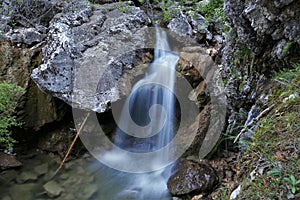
(145,125)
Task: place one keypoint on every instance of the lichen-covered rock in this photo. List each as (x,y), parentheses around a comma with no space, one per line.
(192,177)
(82,44)
(27,13)
(180,25)
(266,31)
(264,37)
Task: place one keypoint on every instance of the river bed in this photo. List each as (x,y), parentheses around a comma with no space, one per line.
(81,179)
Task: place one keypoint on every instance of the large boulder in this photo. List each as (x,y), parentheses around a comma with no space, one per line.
(82,43)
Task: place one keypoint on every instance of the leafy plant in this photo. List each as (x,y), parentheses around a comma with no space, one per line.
(9,95)
(213,10)
(293,183)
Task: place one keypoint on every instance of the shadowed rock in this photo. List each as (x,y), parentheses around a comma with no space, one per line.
(192,177)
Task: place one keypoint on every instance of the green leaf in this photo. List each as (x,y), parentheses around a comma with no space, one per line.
(293,190)
(292,177)
(287,179)
(274,172)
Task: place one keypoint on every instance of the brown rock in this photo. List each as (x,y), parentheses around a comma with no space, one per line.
(8,161)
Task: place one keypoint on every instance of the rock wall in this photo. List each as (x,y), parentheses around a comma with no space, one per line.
(23,31)
(35,108)
(264,38)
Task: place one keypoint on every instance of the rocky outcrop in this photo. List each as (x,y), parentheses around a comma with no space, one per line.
(267,32)
(82,44)
(264,37)
(192,177)
(23,31)
(35,108)
(95,54)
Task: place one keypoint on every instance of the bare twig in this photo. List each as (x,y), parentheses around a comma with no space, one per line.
(254,121)
(72,144)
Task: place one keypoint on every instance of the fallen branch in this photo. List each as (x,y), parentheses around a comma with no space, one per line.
(72,144)
(254,121)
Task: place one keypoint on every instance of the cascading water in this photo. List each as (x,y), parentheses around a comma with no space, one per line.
(145,125)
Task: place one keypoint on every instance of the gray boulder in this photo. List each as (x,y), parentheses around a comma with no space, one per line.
(85,46)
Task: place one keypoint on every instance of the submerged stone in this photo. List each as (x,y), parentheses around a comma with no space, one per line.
(89,190)
(22,191)
(41,169)
(192,177)
(53,189)
(27,176)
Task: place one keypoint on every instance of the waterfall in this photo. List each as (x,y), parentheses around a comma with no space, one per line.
(148,114)
(146,124)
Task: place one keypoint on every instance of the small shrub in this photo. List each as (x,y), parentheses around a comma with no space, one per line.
(9,95)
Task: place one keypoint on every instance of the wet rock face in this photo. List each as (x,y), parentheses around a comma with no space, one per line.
(192,177)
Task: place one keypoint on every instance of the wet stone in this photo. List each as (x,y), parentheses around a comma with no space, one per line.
(128,195)
(22,191)
(53,189)
(64,176)
(27,176)
(89,191)
(192,177)
(69,165)
(41,169)
(6,198)
(69,197)
(7,176)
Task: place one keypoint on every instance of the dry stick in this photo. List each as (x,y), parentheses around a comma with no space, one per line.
(253,121)
(72,144)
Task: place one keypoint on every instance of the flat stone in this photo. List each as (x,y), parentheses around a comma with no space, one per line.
(64,176)
(8,161)
(41,169)
(22,191)
(89,190)
(6,198)
(69,165)
(27,176)
(53,189)
(69,197)
(7,176)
